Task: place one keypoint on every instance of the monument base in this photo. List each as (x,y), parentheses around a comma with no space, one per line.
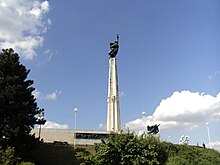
(66,136)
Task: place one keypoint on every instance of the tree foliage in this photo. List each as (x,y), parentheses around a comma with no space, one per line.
(127,149)
(18,107)
(7,156)
(130,149)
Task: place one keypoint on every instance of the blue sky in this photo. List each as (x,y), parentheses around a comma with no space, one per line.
(168,61)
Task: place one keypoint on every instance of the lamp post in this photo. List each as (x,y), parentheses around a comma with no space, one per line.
(207,125)
(40,117)
(145,121)
(75,112)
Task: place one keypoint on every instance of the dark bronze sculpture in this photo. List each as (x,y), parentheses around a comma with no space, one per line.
(114,48)
(153,129)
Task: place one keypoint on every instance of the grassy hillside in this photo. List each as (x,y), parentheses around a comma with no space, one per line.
(53,154)
(192,155)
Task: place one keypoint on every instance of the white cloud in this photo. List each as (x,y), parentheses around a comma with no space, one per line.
(216,145)
(122,94)
(187,109)
(54,125)
(210,77)
(49,54)
(23,34)
(182,110)
(39,8)
(102,126)
(139,125)
(53,96)
(37,94)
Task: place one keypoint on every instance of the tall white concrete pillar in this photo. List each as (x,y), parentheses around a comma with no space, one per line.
(113,113)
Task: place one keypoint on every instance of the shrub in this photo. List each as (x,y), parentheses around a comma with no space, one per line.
(7,156)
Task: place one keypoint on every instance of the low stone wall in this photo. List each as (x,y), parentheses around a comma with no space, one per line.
(83,137)
(66,135)
(87,141)
(51,135)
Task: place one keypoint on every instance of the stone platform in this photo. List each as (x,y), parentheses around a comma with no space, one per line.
(83,137)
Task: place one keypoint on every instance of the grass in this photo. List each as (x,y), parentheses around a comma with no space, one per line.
(56,154)
(51,154)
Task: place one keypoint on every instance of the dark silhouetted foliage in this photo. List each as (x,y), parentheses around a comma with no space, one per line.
(18,107)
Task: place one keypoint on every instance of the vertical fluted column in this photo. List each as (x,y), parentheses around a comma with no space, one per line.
(113,113)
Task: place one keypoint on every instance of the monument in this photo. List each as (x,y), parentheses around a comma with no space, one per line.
(154,129)
(113,112)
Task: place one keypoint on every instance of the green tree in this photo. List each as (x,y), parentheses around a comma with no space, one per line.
(7,156)
(127,149)
(18,107)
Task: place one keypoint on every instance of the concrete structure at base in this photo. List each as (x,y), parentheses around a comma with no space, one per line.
(82,137)
(113,112)
(63,136)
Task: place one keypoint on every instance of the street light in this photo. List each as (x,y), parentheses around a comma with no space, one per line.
(75,112)
(145,121)
(40,117)
(207,125)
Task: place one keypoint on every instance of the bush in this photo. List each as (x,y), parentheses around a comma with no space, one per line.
(127,149)
(7,156)
(26,163)
(130,149)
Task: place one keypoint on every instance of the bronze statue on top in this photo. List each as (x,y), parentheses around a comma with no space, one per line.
(153,129)
(114,48)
